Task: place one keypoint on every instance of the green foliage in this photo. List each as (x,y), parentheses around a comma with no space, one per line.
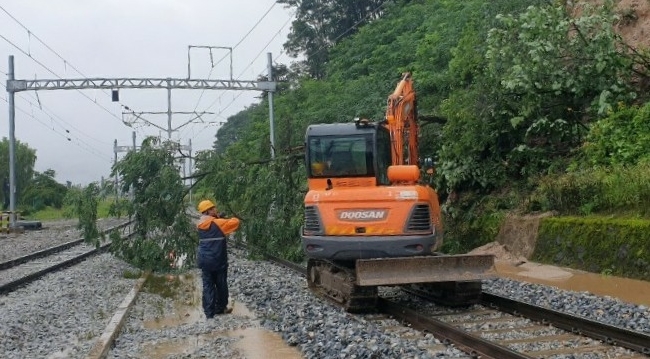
(622,138)
(160,224)
(24,166)
(68,209)
(514,87)
(44,191)
(619,247)
(473,221)
(602,190)
(473,159)
(236,125)
(85,208)
(321,24)
(119,207)
(266,195)
(557,65)
(50,213)
(132,274)
(523,105)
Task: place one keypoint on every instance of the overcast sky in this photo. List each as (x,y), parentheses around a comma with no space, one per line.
(127,39)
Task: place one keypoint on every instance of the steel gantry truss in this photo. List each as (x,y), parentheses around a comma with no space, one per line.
(14,85)
(138,83)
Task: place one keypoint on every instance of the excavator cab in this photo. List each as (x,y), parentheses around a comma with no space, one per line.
(352,150)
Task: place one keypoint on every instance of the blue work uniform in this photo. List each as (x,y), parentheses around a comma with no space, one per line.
(212,259)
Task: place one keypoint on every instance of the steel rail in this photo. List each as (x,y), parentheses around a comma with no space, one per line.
(55,249)
(291,265)
(609,334)
(478,347)
(468,343)
(17,283)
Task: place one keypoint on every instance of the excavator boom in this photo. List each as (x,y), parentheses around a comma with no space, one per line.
(401,121)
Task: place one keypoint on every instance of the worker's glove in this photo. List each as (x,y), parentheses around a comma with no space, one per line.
(222,214)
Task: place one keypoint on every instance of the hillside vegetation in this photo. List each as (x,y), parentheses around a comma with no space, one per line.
(525,106)
(531,106)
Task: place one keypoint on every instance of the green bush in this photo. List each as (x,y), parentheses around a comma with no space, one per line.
(472,221)
(623,138)
(603,190)
(599,245)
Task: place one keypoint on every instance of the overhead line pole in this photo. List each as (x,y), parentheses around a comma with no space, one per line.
(169,109)
(271,124)
(12,146)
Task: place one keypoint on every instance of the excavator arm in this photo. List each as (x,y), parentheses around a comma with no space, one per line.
(401,122)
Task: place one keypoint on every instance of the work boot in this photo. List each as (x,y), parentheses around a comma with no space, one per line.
(225,311)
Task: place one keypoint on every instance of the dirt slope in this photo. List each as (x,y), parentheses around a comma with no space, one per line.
(635,22)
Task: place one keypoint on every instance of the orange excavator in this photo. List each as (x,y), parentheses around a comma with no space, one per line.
(369,219)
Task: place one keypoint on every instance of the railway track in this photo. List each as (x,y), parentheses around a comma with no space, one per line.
(19,271)
(505,328)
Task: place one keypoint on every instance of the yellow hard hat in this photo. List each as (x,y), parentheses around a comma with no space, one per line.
(205,205)
(317,168)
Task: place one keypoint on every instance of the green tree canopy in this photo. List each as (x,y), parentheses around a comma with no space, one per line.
(157,205)
(320,25)
(25,161)
(44,190)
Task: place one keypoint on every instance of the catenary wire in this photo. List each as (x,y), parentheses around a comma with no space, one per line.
(31,34)
(51,113)
(317,51)
(249,65)
(55,74)
(234,47)
(89,149)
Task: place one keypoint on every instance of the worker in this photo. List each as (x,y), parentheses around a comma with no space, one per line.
(317,168)
(212,257)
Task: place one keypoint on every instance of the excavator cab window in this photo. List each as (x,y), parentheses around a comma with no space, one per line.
(341,156)
(383,156)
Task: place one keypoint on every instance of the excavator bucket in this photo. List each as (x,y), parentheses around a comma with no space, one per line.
(426,269)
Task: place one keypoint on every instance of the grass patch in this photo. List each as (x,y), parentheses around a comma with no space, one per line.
(48,214)
(618,190)
(162,286)
(65,212)
(132,274)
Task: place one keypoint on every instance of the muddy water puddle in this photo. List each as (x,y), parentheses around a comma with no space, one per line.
(628,290)
(252,342)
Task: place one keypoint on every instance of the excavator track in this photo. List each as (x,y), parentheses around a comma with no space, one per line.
(337,283)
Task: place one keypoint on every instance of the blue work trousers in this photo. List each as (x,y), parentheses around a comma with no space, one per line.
(215,291)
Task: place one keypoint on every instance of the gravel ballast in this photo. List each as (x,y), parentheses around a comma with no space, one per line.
(62,314)
(13,245)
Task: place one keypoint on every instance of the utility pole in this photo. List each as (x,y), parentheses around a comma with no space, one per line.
(12,147)
(117,188)
(117,149)
(272,131)
(190,160)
